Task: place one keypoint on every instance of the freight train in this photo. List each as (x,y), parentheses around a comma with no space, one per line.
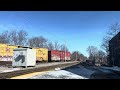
(42,54)
(56,55)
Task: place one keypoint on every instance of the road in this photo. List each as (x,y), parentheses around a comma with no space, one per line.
(79,72)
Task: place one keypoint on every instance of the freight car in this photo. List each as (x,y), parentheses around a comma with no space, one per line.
(68,55)
(54,55)
(2,51)
(65,56)
(62,55)
(41,54)
(6,52)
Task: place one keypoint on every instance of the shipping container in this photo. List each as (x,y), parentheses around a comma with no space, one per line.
(10,49)
(41,54)
(3,53)
(6,52)
(54,55)
(64,55)
(68,55)
(9,52)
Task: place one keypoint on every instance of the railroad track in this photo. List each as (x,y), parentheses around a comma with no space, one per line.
(8,75)
(5,63)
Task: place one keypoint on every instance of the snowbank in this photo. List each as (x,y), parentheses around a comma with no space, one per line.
(14,69)
(59,74)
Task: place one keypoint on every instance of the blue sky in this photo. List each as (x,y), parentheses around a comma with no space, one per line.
(78,28)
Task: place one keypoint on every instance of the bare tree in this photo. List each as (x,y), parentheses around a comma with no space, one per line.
(105,44)
(43,42)
(56,45)
(50,46)
(13,37)
(101,53)
(22,37)
(40,42)
(4,37)
(18,37)
(76,55)
(101,57)
(113,30)
(93,51)
(34,42)
(97,56)
(63,47)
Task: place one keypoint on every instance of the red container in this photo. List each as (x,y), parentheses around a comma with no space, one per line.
(68,55)
(54,55)
(64,55)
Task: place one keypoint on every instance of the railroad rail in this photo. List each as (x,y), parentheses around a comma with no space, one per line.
(8,75)
(5,63)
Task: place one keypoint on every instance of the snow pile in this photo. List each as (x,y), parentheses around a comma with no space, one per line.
(59,74)
(66,74)
(14,69)
(116,68)
(57,68)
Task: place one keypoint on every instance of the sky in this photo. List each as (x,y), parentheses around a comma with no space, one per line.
(79,29)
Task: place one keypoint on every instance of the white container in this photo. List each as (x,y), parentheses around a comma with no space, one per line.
(24,57)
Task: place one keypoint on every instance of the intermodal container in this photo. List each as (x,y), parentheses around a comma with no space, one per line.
(54,55)
(6,52)
(3,52)
(68,55)
(41,54)
(10,52)
(64,55)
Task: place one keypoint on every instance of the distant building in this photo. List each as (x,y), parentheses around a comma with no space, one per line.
(114,50)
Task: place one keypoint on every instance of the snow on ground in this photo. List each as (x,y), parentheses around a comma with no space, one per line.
(57,68)
(116,68)
(60,74)
(14,69)
(70,73)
